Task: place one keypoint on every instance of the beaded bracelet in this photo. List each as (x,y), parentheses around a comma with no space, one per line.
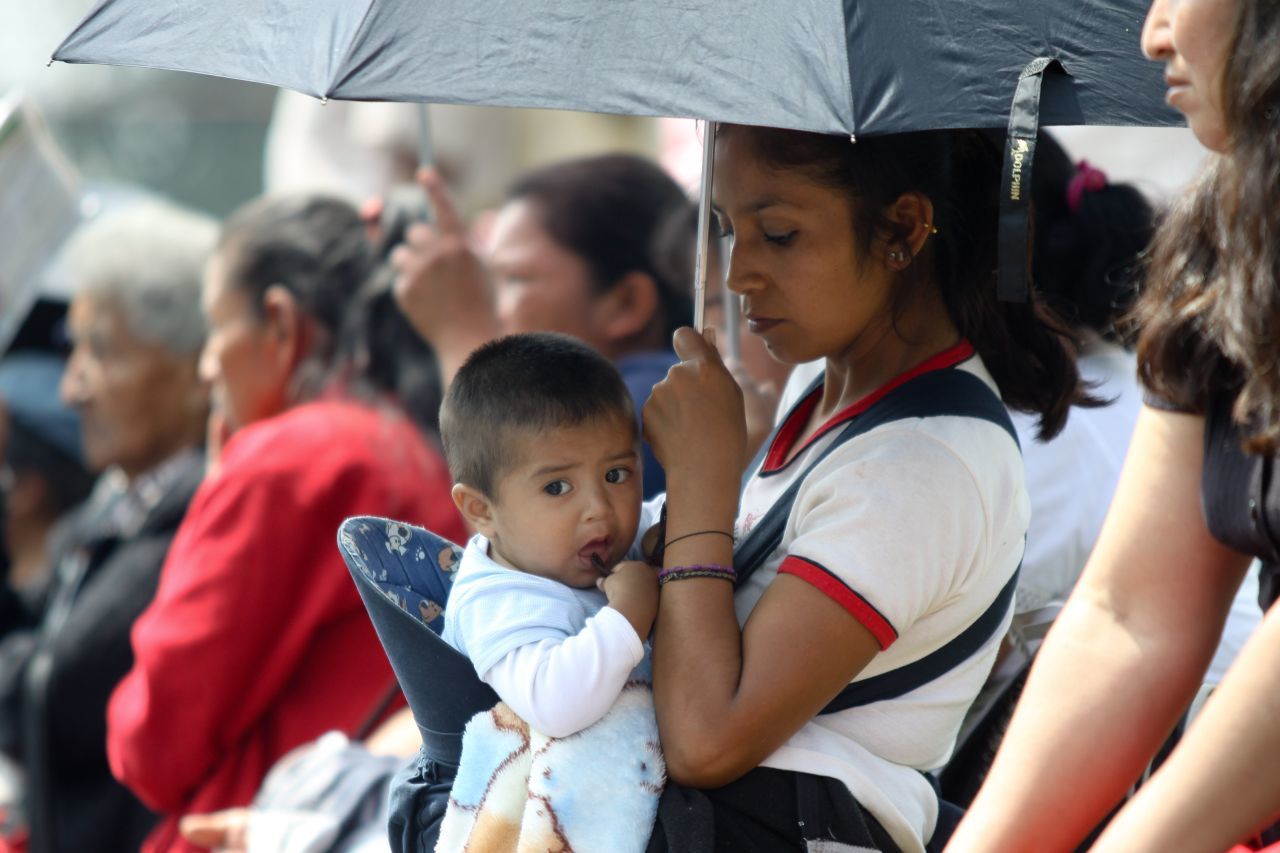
(710,570)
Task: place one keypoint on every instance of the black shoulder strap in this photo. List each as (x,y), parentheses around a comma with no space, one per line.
(941,392)
(904,679)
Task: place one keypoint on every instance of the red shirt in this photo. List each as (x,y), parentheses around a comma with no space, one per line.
(257,640)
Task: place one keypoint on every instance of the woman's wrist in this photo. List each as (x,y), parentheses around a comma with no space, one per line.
(676,537)
(709,469)
(701,503)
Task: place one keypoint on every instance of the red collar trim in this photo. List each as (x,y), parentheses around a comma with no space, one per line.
(796,421)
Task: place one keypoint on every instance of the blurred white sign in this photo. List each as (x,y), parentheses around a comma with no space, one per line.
(39,207)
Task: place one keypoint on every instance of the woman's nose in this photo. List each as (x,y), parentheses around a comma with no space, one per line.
(1157,36)
(506,306)
(207,368)
(741,278)
(71,388)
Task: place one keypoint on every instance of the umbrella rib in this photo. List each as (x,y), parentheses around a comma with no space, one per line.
(846,74)
(337,69)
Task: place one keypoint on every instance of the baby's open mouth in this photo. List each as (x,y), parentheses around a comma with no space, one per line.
(596,555)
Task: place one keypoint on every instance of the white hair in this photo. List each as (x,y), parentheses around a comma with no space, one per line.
(150,259)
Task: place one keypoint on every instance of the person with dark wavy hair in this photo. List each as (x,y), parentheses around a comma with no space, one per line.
(1198,501)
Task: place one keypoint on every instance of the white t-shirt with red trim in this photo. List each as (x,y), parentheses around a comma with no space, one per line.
(913,528)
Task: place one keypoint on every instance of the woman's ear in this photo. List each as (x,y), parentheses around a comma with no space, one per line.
(286,327)
(196,389)
(628,308)
(476,508)
(912,215)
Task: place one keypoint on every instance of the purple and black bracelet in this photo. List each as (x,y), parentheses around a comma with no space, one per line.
(705,570)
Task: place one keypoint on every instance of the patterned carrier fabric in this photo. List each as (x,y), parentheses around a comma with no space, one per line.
(412,567)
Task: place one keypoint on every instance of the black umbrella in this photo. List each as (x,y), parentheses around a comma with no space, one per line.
(834,66)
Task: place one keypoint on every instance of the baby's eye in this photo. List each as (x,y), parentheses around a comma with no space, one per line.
(556,488)
(617,475)
(779,239)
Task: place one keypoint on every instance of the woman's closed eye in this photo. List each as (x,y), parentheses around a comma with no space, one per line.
(556,488)
(780,238)
(617,475)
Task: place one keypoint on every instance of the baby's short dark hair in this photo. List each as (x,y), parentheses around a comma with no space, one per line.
(528,383)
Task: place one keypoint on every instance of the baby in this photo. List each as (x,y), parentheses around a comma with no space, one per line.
(543,446)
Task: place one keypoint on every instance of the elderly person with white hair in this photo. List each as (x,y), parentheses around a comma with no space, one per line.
(137,329)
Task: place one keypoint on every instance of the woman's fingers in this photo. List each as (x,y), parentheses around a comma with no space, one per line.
(689,345)
(399,257)
(694,417)
(226,830)
(371,216)
(446,213)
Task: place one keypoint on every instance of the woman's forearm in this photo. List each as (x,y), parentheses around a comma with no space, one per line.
(697,659)
(1097,706)
(1222,783)
(697,649)
(1124,659)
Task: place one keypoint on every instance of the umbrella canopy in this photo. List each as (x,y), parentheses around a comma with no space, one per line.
(834,66)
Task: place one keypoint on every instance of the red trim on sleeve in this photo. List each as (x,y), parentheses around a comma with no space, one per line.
(790,431)
(859,608)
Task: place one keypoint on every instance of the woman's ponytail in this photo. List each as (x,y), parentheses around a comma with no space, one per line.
(1026,346)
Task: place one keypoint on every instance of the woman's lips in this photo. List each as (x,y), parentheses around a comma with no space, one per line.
(760,325)
(1177,87)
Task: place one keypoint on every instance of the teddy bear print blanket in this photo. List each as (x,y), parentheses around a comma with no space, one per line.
(596,791)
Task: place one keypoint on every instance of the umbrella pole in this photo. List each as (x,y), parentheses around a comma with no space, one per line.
(426,156)
(704,226)
(728,299)
(732,312)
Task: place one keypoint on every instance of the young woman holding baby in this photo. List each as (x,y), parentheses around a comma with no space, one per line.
(876,257)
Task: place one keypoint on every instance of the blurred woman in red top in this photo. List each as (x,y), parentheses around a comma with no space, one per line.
(257,641)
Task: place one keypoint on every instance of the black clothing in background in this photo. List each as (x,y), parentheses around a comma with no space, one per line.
(1240,496)
(55,680)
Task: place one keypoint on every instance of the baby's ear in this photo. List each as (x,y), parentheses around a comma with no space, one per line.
(476,508)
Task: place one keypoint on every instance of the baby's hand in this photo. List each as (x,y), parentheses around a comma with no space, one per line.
(632,589)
